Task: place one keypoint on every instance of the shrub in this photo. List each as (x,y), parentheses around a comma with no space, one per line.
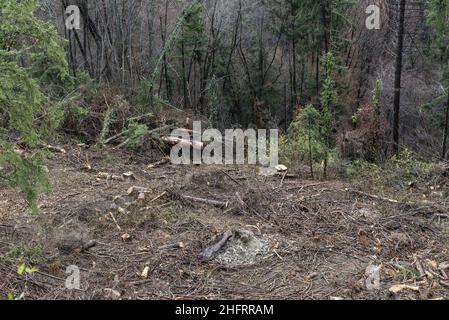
(397,173)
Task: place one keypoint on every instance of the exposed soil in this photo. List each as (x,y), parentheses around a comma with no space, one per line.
(293,238)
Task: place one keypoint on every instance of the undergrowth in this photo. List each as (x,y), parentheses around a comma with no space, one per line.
(398,173)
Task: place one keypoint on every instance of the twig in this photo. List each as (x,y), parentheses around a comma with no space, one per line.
(159,196)
(230,177)
(372,196)
(115,221)
(283,178)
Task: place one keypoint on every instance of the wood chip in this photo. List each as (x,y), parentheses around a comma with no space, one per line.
(135,191)
(141,198)
(129,176)
(145,272)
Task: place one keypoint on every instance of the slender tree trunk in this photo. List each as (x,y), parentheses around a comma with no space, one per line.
(317,75)
(446,129)
(311,155)
(184,76)
(398,77)
(285,109)
(294,58)
(164,26)
(303,74)
(324,25)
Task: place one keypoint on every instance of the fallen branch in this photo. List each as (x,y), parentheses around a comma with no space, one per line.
(54,149)
(115,221)
(88,245)
(210,252)
(125,132)
(230,177)
(182,142)
(158,197)
(176,245)
(302,187)
(282,181)
(372,196)
(159,163)
(215,203)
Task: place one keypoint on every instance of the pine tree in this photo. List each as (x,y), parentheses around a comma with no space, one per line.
(310,121)
(328,98)
(32,62)
(304,141)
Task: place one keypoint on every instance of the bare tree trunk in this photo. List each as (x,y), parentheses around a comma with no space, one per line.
(184,75)
(164,33)
(446,129)
(398,77)
(294,62)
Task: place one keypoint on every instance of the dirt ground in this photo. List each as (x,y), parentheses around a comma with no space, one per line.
(291,238)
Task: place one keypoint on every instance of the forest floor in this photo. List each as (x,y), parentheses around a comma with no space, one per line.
(286,238)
